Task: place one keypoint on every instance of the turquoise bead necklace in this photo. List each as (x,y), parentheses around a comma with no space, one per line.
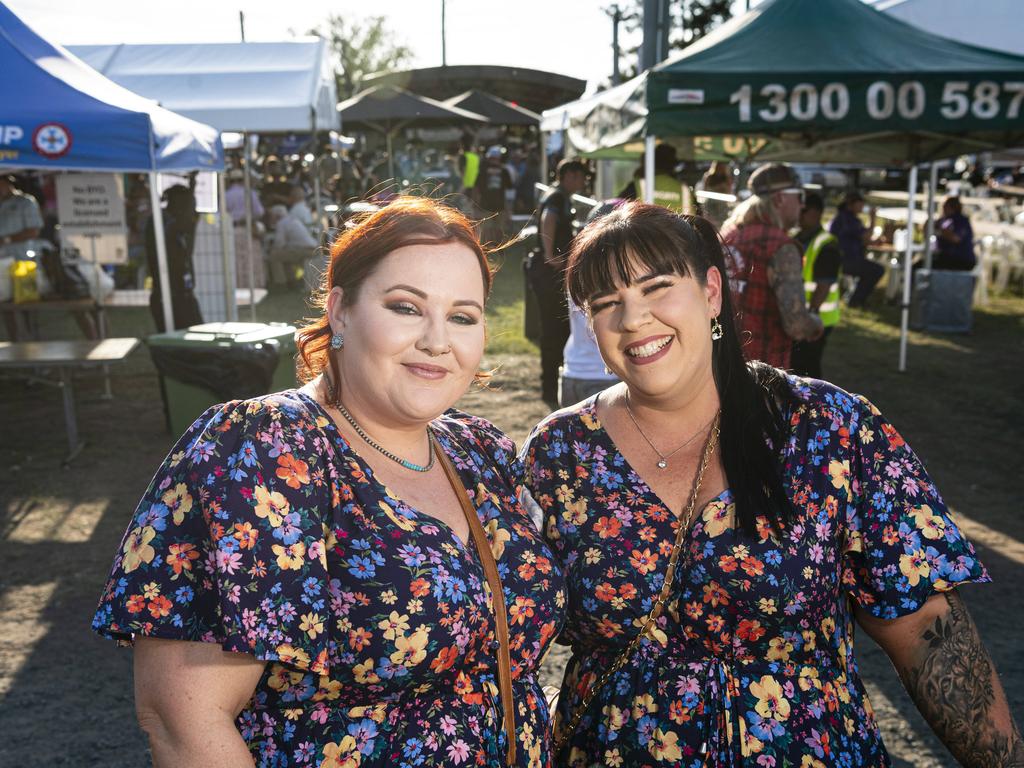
(373,443)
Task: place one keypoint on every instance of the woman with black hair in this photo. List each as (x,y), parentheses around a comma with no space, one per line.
(722,525)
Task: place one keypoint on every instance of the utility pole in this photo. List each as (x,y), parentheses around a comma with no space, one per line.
(616,13)
(444,46)
(241,23)
(654,48)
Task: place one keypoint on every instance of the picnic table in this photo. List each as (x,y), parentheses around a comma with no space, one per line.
(65,357)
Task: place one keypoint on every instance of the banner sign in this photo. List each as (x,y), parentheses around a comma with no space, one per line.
(863,104)
(90,207)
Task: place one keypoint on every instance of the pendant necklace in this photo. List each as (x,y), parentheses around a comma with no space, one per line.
(663,457)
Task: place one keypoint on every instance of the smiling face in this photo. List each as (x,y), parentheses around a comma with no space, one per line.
(414,335)
(654,332)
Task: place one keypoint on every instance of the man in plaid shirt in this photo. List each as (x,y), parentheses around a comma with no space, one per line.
(766,267)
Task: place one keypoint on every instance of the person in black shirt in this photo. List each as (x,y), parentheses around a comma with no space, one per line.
(546,272)
(180,236)
(824,275)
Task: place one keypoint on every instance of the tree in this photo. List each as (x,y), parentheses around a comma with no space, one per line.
(359,48)
(693,19)
(689,21)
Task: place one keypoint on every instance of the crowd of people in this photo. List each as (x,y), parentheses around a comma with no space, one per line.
(790,270)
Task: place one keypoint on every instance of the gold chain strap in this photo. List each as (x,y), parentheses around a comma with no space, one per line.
(659,604)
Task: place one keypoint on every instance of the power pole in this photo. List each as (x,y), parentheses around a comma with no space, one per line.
(616,13)
(444,45)
(241,23)
(654,48)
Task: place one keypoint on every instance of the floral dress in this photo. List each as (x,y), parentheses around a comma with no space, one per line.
(752,662)
(266,533)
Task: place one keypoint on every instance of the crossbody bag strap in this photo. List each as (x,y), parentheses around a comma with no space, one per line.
(483,548)
(659,604)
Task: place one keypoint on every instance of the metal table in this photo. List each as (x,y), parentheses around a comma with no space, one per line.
(65,357)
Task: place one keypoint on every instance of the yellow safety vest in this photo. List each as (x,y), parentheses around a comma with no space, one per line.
(471,171)
(668,191)
(829,309)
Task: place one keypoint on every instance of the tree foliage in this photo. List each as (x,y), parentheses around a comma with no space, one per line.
(360,47)
(689,21)
(693,19)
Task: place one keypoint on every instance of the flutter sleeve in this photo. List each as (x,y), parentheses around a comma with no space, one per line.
(902,545)
(228,545)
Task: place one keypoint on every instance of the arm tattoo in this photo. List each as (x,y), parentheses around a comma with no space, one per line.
(953,683)
(787,281)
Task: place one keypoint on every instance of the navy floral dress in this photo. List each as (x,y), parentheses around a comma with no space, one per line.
(266,533)
(753,660)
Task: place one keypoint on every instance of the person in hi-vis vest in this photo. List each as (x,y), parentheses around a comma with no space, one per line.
(669,191)
(822,267)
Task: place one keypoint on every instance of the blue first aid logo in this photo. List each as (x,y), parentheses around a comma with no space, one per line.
(51,140)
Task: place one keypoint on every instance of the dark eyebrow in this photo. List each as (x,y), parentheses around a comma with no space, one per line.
(422,295)
(643,279)
(409,288)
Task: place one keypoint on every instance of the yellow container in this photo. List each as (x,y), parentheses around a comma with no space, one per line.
(23,281)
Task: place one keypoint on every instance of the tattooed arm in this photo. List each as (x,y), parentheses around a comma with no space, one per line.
(785,273)
(948,673)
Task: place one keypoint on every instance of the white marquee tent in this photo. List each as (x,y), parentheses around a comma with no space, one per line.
(257,87)
(989,24)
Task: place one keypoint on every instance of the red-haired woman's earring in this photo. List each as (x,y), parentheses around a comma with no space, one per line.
(337,341)
(716,329)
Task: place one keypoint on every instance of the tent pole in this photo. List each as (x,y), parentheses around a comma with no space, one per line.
(248,227)
(907,268)
(543,143)
(226,244)
(161,250)
(649,143)
(933,184)
(391,158)
(316,174)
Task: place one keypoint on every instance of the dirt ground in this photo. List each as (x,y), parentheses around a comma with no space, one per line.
(65,695)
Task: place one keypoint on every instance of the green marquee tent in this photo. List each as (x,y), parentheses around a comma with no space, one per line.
(812,81)
(827,81)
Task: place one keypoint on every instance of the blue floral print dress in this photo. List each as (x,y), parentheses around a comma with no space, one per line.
(752,663)
(266,533)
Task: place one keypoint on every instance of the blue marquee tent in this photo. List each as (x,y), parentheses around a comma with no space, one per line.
(58,113)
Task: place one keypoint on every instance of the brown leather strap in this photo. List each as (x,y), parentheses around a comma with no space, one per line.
(483,548)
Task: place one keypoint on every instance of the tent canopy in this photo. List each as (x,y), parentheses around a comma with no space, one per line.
(495,109)
(815,81)
(260,87)
(58,113)
(387,107)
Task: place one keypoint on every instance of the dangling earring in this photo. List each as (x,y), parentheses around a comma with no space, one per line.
(716,329)
(337,341)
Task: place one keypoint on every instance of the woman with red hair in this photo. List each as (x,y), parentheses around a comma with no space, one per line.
(341,575)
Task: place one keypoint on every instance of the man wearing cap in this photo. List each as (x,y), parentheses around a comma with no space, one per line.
(20,219)
(821,283)
(766,267)
(546,272)
(853,239)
